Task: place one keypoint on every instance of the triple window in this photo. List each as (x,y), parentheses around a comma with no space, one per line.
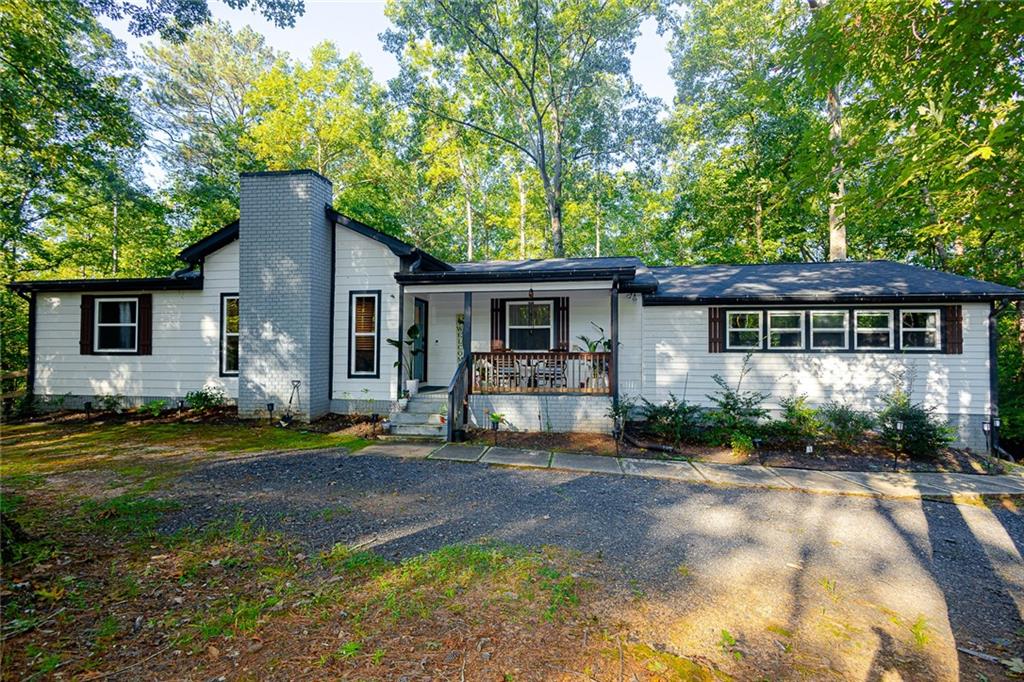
(833,330)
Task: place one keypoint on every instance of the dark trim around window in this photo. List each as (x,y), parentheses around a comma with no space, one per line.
(850,329)
(221,335)
(352,294)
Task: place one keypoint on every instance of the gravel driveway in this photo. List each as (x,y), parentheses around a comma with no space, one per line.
(700,559)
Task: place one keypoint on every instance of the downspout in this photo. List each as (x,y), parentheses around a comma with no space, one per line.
(330,338)
(30,376)
(995,309)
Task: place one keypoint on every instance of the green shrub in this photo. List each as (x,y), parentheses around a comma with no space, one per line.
(736,410)
(205,398)
(153,408)
(109,403)
(672,419)
(799,422)
(842,424)
(621,411)
(923,435)
(742,445)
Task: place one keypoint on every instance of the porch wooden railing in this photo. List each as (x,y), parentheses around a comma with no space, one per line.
(540,372)
(458,394)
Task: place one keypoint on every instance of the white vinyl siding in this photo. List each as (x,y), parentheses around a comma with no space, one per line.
(186,342)
(364,264)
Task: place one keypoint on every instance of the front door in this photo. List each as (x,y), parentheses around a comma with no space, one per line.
(419,361)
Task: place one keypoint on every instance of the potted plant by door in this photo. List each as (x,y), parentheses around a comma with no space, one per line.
(403,401)
(408,350)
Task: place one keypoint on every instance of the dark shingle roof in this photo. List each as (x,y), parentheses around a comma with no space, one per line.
(882,281)
(631,271)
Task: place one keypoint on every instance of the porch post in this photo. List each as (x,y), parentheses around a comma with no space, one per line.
(467,326)
(613,379)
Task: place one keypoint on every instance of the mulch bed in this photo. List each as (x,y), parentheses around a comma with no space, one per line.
(870,455)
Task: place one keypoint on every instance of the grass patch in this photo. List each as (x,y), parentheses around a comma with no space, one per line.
(126,513)
(43,448)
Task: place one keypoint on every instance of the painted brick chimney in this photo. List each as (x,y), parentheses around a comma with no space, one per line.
(284,293)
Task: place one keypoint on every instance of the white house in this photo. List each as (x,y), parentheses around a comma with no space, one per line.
(292,305)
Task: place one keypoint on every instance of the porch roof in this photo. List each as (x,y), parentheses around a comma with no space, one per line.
(631,273)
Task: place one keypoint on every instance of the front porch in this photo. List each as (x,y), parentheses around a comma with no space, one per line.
(498,342)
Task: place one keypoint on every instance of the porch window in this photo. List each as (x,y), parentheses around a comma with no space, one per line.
(743,329)
(785,329)
(872,329)
(229,334)
(829,329)
(919,329)
(529,325)
(117,325)
(365,339)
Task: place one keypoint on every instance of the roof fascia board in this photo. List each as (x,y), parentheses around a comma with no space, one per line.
(506,287)
(137,284)
(914,299)
(464,277)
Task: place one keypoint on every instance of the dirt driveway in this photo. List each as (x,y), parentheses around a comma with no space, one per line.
(762,583)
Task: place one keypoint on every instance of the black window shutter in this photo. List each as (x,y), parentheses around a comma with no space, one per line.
(562,323)
(498,323)
(715,329)
(953,329)
(145,324)
(85,343)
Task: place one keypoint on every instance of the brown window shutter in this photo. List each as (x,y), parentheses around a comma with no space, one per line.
(715,344)
(85,343)
(562,323)
(498,323)
(145,324)
(953,329)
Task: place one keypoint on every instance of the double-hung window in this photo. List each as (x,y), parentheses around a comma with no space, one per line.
(743,330)
(872,329)
(785,329)
(530,325)
(365,337)
(229,334)
(117,325)
(829,329)
(919,330)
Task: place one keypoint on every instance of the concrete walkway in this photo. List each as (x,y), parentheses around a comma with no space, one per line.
(873,484)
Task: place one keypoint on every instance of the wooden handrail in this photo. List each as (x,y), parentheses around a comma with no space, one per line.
(14,375)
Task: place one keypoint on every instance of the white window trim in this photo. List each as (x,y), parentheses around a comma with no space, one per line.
(845,329)
(937,329)
(550,326)
(97,324)
(373,335)
(224,334)
(729,328)
(873,330)
(786,330)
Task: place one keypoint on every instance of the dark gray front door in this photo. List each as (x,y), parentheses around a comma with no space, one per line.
(419,363)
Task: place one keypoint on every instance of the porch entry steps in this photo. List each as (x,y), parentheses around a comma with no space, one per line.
(422,417)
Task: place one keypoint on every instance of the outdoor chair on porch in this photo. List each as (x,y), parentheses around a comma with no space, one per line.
(550,372)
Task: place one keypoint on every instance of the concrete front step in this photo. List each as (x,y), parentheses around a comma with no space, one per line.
(426,404)
(437,430)
(415,418)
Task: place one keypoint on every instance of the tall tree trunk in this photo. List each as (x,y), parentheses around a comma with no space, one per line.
(522,216)
(553,199)
(469,208)
(759,226)
(597,234)
(114,250)
(837,195)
